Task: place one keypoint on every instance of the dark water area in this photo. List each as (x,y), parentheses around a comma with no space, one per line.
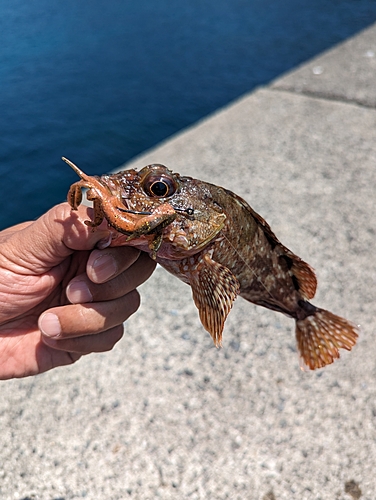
(101,81)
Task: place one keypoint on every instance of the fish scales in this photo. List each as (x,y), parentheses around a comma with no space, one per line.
(211,239)
(254,258)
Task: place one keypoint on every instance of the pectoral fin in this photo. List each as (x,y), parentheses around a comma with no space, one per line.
(214,289)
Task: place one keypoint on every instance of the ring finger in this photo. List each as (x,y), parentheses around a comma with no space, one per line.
(81,289)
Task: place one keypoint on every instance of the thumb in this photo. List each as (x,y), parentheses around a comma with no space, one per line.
(46,242)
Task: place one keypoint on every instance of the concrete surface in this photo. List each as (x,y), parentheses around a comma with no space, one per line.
(166,415)
(344,73)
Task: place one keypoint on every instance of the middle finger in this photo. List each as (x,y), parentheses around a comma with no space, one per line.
(82,290)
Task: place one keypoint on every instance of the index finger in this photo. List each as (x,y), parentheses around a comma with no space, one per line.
(104,265)
(46,242)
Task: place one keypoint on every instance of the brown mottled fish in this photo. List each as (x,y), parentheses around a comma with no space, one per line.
(213,240)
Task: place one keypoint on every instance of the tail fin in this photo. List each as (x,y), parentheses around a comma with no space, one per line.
(320,335)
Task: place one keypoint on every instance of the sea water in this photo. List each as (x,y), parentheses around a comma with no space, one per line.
(99,81)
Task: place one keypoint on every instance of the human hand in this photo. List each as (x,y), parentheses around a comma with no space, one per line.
(59,298)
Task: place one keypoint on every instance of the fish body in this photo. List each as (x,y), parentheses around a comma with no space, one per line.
(211,239)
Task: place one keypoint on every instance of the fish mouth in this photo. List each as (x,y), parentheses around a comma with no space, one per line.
(187,211)
(179,238)
(134,212)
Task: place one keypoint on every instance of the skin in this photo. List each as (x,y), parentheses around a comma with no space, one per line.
(60,297)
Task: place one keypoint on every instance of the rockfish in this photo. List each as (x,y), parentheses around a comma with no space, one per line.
(211,239)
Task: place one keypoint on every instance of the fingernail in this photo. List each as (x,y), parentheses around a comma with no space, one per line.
(49,325)
(105,242)
(104,267)
(78,292)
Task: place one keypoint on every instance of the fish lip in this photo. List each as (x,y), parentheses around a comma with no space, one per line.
(188,212)
(134,212)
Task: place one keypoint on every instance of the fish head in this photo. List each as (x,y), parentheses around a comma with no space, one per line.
(194,217)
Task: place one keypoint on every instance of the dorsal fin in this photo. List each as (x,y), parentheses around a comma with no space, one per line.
(305,276)
(303,272)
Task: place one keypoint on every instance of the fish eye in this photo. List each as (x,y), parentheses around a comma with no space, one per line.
(160,186)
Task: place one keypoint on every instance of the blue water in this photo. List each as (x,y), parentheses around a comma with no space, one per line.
(99,81)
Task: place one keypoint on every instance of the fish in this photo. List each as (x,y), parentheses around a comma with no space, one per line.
(211,239)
